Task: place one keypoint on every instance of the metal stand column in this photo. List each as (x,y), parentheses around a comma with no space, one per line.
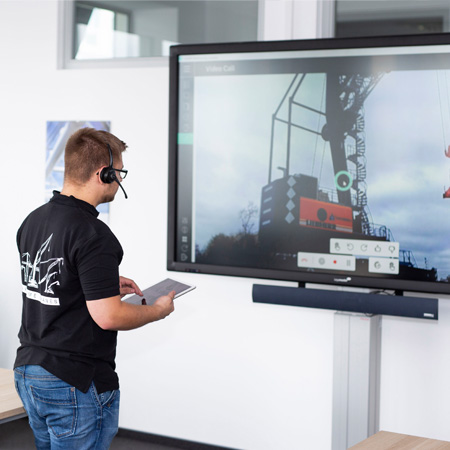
(356,378)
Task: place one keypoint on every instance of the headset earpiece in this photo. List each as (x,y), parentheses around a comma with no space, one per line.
(108,174)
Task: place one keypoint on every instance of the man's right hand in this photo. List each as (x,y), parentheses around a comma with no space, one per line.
(165,304)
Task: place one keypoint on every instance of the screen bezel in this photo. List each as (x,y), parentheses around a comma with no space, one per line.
(381,283)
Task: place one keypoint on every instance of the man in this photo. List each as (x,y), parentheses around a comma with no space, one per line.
(72,308)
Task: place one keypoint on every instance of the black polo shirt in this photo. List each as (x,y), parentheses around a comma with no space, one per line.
(68,256)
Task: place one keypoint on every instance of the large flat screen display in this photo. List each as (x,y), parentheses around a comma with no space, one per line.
(324,161)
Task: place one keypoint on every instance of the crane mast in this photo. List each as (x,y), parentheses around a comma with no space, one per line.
(345,132)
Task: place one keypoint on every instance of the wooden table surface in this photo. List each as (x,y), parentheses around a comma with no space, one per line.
(10,403)
(385,440)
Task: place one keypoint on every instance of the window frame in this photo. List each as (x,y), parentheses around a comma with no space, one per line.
(277,20)
(66,15)
(398,11)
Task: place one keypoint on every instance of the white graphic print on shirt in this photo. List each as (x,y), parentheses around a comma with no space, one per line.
(41,274)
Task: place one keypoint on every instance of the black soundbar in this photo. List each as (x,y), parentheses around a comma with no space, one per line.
(367,303)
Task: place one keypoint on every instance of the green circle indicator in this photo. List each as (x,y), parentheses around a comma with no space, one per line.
(343,181)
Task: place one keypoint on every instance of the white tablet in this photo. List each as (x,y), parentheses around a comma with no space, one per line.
(159,289)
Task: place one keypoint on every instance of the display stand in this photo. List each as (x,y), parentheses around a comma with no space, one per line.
(356,378)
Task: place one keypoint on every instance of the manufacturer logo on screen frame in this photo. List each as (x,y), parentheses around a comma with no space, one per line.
(343,280)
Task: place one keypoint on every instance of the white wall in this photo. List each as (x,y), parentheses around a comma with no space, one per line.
(220,370)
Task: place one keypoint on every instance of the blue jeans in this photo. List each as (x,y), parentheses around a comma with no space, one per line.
(63,417)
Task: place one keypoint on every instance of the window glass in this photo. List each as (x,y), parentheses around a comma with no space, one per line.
(124,29)
(394,17)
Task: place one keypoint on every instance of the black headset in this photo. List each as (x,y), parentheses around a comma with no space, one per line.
(108,174)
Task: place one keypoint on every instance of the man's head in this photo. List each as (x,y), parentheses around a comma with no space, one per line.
(88,153)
